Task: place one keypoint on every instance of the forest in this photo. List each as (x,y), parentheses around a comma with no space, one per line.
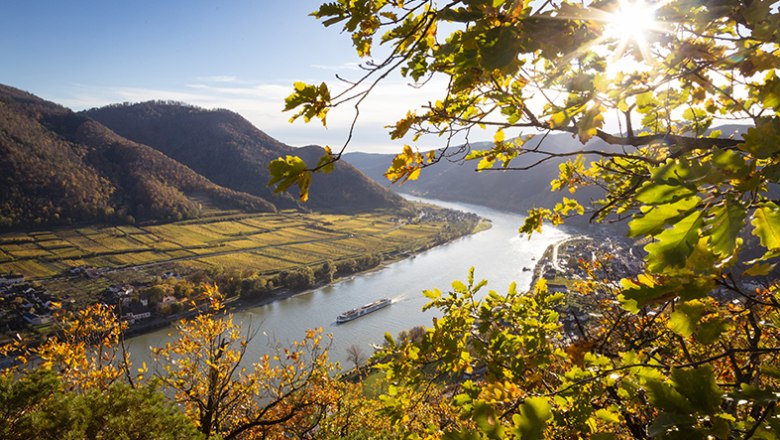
(687,348)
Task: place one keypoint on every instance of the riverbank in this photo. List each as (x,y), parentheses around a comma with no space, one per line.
(498,255)
(548,265)
(562,261)
(237,303)
(154,272)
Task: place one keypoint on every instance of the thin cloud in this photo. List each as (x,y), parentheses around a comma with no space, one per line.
(337,67)
(263,103)
(265,91)
(220,79)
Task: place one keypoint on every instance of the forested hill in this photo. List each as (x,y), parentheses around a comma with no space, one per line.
(59,167)
(506,190)
(230,151)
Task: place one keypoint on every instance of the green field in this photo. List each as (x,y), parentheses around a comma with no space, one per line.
(260,242)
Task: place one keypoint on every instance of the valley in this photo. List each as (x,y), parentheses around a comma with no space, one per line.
(255,256)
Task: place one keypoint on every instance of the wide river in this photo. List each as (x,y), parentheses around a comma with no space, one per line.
(498,255)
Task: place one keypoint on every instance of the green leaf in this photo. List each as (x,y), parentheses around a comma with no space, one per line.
(607,416)
(766,225)
(642,291)
(699,388)
(771,371)
(288,171)
(568,205)
(667,421)
(685,317)
(681,171)
(763,140)
(667,398)
(531,421)
(327,162)
(313,100)
(459,287)
(661,193)
(760,269)
(488,421)
(432,294)
(645,289)
(405,166)
(645,99)
(724,226)
(533,222)
(500,49)
(591,121)
(697,319)
(709,331)
(675,244)
(695,287)
(762,396)
(486,163)
(653,219)
(729,160)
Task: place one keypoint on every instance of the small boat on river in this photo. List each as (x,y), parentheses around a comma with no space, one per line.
(364,310)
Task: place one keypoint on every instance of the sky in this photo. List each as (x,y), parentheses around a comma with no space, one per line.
(242,55)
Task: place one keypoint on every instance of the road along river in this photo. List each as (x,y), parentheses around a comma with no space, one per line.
(498,255)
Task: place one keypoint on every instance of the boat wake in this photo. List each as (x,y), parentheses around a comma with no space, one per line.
(399,298)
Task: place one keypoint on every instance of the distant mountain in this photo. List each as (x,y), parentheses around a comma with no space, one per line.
(59,167)
(506,190)
(230,151)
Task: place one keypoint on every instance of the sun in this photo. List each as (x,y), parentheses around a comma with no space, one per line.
(631,22)
(631,26)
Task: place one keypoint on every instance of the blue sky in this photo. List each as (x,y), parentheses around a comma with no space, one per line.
(240,54)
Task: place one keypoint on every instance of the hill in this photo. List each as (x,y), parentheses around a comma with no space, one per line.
(505,190)
(59,167)
(230,151)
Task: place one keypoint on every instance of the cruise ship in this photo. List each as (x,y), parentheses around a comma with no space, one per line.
(364,310)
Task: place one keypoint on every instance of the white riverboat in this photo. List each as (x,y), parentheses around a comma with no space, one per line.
(364,310)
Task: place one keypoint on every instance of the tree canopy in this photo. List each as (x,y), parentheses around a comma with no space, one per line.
(692,348)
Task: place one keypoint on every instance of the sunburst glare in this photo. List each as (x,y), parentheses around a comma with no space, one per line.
(629,29)
(632,23)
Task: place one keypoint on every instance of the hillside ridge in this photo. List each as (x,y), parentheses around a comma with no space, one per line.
(60,167)
(230,151)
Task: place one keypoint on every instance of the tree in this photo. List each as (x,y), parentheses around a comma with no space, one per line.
(79,384)
(328,271)
(691,337)
(37,405)
(87,353)
(207,370)
(356,356)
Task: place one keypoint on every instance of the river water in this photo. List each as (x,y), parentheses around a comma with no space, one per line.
(498,255)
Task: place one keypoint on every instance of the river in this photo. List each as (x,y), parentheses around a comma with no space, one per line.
(498,255)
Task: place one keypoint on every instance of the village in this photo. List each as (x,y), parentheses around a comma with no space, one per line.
(23,304)
(29,307)
(579,259)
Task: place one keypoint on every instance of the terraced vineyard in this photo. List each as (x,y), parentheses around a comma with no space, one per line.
(260,242)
